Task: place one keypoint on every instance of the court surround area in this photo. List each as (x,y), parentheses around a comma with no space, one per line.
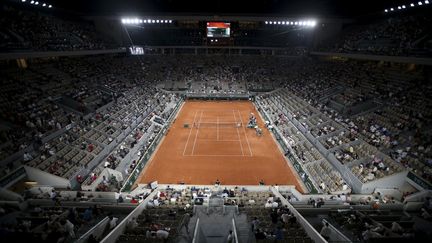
(210,140)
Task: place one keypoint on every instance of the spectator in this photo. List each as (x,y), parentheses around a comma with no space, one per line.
(325,231)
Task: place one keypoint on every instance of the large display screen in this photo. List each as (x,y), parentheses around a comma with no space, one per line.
(218,29)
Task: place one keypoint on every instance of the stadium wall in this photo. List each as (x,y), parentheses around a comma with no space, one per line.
(120,228)
(45,178)
(410,60)
(396,180)
(29,55)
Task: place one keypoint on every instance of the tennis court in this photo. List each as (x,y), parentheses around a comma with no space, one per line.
(210,140)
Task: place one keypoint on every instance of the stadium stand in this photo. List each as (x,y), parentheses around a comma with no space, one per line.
(78,130)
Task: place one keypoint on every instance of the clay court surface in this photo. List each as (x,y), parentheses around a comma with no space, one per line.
(218,148)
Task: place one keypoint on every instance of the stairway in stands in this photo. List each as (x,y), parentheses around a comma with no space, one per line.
(216,222)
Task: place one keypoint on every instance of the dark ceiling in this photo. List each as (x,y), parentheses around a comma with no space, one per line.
(322,8)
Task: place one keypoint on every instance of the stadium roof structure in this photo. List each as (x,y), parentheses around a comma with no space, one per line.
(318,8)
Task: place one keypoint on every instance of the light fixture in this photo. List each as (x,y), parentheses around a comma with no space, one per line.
(412,5)
(399,7)
(31,2)
(420,3)
(391,9)
(23,1)
(36,3)
(385,10)
(44,4)
(426,2)
(170,21)
(50,6)
(403,6)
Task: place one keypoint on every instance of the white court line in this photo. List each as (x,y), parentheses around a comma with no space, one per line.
(220,140)
(196,135)
(190,132)
(238,134)
(244,130)
(210,155)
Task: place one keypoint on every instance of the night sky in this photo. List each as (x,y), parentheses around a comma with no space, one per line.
(319,8)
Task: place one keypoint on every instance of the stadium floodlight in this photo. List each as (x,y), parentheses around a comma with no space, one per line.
(314,23)
(296,23)
(391,9)
(385,10)
(283,22)
(44,4)
(50,6)
(412,5)
(31,2)
(36,3)
(23,1)
(123,21)
(145,21)
(153,21)
(270,22)
(279,22)
(157,20)
(399,7)
(266,22)
(140,21)
(170,21)
(292,23)
(426,2)
(420,3)
(403,6)
(149,21)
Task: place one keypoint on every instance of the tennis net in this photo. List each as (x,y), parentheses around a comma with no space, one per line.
(218,124)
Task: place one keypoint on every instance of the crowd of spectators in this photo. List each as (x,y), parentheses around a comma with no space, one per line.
(395,125)
(51,223)
(24,29)
(393,36)
(125,95)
